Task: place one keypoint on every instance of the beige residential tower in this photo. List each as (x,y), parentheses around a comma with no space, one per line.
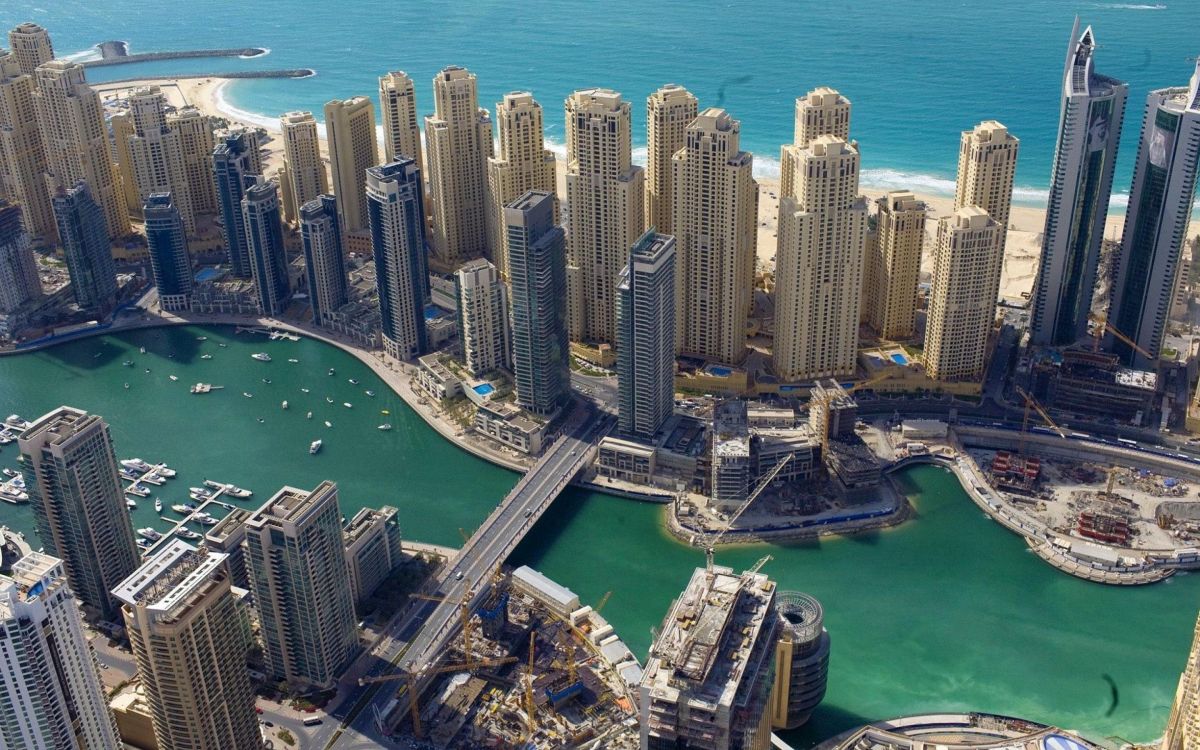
(669,111)
(302,154)
(350,129)
(523,163)
(894,265)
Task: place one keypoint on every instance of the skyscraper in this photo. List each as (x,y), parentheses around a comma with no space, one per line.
(81,230)
(458,139)
(890,300)
(822,111)
(50,692)
(71,121)
(121,124)
(70,469)
(716,231)
(482,316)
(302,154)
(398,103)
(819,263)
(669,111)
(1160,205)
(157,155)
(962,305)
(264,242)
(188,634)
(397,215)
(324,260)
(196,144)
(350,128)
(1183,726)
(523,164)
(987,164)
(604,193)
(31,45)
(645,321)
(301,585)
(22,156)
(19,280)
(537,278)
(169,258)
(1089,130)
(235,162)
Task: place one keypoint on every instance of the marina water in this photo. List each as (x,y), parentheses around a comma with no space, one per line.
(947,612)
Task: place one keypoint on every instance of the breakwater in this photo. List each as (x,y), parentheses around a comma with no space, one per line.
(288,73)
(114,53)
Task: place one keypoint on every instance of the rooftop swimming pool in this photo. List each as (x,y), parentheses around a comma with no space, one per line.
(720,372)
(898,358)
(484,389)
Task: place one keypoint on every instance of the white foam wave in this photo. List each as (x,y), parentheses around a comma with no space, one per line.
(265,51)
(83,55)
(234,113)
(1130,6)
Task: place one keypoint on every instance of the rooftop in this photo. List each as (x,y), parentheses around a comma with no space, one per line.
(168,579)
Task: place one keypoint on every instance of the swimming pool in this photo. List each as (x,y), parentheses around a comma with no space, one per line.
(208,274)
(484,389)
(899,358)
(720,372)
(432,312)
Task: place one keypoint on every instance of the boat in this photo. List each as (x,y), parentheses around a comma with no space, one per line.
(165,471)
(15,497)
(129,474)
(183,509)
(208,521)
(370,393)
(200,517)
(127,363)
(267,381)
(202,338)
(315,446)
(186,533)
(157,505)
(152,478)
(384,411)
(308,416)
(222,345)
(353,381)
(147,370)
(137,489)
(9,472)
(331,371)
(284,405)
(304,390)
(136,464)
(328,423)
(127,386)
(173,377)
(385,426)
(294,361)
(261,356)
(142,349)
(329,399)
(347,404)
(130,503)
(261,420)
(205,356)
(142,544)
(234,491)
(149,533)
(247,394)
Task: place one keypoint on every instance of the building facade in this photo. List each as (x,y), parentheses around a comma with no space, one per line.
(70,470)
(669,112)
(156,154)
(19,282)
(801,660)
(302,155)
(645,320)
(604,195)
(169,260)
(22,156)
(30,44)
(235,162)
(482,306)
(1160,206)
(324,258)
(188,632)
(301,583)
(819,263)
(523,163)
(350,129)
(1183,726)
(962,305)
(458,141)
(196,144)
(538,283)
(84,238)
(894,266)
(715,208)
(372,549)
(1089,130)
(264,243)
(822,111)
(71,122)
(50,692)
(987,165)
(397,214)
(398,103)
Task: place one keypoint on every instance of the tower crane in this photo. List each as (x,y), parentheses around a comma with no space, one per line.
(411,687)
(711,543)
(1031,403)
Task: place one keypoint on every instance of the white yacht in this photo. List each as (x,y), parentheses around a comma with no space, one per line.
(371,394)
(294,361)
(149,533)
(186,533)
(137,489)
(173,377)
(315,446)
(183,508)
(348,405)
(261,356)
(284,405)
(328,423)
(308,416)
(130,503)
(205,356)
(353,381)
(385,426)
(157,505)
(136,464)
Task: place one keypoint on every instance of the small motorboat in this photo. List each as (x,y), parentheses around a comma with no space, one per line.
(371,394)
(293,361)
(202,338)
(353,381)
(331,371)
(304,390)
(385,426)
(186,533)
(173,377)
(308,416)
(261,420)
(267,381)
(314,447)
(261,356)
(157,505)
(247,394)
(9,472)
(205,356)
(127,363)
(348,405)
(328,423)
(329,399)
(283,405)
(130,503)
(127,386)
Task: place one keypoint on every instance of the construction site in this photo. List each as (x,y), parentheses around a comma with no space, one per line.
(532,668)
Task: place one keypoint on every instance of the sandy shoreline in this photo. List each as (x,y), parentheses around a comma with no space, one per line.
(1024,237)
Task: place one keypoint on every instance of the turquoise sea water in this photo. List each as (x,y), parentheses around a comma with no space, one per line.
(918,73)
(947,612)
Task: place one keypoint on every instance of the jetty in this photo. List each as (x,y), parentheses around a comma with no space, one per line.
(272,333)
(117,53)
(287,73)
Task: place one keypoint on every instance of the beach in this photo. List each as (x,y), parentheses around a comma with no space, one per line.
(1021,252)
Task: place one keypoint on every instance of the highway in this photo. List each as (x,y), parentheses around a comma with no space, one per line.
(419,635)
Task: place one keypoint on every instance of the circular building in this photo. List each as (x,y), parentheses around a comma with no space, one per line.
(950,731)
(801,659)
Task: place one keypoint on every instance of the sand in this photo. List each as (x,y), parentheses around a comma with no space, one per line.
(1024,236)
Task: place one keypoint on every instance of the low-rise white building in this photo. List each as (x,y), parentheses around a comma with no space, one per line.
(436,379)
(511,426)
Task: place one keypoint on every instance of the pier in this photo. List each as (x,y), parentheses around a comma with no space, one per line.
(116,53)
(286,73)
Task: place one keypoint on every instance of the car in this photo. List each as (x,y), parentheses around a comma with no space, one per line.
(458,576)
(572,452)
(529,513)
(257,710)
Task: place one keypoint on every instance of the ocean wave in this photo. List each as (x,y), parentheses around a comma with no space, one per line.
(83,55)
(235,113)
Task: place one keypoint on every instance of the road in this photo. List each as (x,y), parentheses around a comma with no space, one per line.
(419,634)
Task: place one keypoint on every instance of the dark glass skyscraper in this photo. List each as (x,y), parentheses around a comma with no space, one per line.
(397,215)
(324,260)
(84,236)
(645,320)
(537,264)
(169,259)
(235,163)
(264,242)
